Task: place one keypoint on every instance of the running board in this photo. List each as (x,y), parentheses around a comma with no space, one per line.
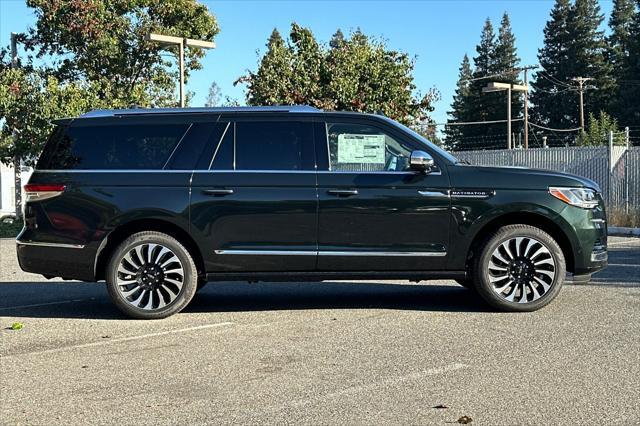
(335,275)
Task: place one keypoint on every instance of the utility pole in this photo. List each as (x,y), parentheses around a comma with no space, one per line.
(17,166)
(581,81)
(181,43)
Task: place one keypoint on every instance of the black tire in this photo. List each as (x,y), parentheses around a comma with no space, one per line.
(182,296)
(509,235)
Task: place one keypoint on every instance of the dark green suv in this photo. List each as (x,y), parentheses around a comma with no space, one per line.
(158,202)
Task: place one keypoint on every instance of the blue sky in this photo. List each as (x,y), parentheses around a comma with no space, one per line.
(439,33)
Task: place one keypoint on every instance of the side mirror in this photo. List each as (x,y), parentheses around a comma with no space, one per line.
(421,161)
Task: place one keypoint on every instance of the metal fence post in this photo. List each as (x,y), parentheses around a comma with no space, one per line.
(626,171)
(610,167)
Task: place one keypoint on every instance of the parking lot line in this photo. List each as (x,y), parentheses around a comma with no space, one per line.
(121,339)
(352,390)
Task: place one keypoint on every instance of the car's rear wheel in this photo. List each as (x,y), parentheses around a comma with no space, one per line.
(151,276)
(519,268)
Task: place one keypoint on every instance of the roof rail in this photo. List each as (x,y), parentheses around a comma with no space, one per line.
(144,111)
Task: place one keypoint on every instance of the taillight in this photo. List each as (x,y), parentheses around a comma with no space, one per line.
(39,192)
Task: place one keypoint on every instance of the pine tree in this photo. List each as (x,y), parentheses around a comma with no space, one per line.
(554,98)
(459,107)
(587,54)
(496,59)
(478,103)
(625,45)
(271,84)
(506,63)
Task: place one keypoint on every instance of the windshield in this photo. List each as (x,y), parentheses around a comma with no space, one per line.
(424,140)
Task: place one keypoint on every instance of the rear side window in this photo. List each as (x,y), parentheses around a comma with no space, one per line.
(274,145)
(111,147)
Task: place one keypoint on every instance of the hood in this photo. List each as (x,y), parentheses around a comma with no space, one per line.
(463,175)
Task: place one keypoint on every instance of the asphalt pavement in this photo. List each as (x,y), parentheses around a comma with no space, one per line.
(364,352)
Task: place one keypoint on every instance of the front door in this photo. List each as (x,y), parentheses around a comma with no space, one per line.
(374,213)
(256,205)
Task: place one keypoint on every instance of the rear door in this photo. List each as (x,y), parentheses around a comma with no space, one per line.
(374,213)
(254,207)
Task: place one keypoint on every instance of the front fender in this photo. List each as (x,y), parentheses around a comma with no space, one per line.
(471,217)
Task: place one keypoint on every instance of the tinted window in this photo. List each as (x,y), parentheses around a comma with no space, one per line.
(112,147)
(365,148)
(223,154)
(189,155)
(274,145)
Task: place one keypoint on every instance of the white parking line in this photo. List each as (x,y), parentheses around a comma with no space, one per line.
(122,339)
(35,305)
(392,381)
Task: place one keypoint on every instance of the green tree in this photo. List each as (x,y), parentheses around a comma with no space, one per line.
(271,84)
(214,97)
(587,52)
(104,41)
(28,103)
(598,130)
(459,108)
(627,69)
(554,97)
(506,63)
(495,60)
(354,73)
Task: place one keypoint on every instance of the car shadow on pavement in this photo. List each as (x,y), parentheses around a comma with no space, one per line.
(90,300)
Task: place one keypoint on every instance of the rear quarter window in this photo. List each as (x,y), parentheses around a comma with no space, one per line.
(111,147)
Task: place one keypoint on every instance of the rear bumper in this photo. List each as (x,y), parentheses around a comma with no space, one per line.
(68,261)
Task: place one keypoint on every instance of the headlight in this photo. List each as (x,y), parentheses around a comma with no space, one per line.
(579,197)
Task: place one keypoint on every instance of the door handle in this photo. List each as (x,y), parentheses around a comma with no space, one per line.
(218,192)
(434,194)
(343,192)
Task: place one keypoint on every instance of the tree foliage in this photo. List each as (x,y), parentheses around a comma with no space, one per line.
(574,46)
(597,132)
(496,60)
(104,41)
(28,103)
(354,73)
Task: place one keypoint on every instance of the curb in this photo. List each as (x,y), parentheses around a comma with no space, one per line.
(617,231)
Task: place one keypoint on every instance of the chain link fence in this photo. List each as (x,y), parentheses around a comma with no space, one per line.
(615,168)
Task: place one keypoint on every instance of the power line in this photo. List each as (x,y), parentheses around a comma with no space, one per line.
(464,123)
(554,130)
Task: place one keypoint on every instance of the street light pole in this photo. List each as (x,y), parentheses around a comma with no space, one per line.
(497,87)
(17,164)
(181,43)
(509,118)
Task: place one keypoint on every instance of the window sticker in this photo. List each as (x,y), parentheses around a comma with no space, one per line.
(363,149)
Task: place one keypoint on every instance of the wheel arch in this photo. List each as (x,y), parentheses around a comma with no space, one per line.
(122,232)
(526,218)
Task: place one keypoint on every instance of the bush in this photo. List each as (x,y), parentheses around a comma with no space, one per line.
(618,217)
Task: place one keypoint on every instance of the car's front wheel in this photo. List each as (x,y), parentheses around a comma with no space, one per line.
(151,276)
(520,268)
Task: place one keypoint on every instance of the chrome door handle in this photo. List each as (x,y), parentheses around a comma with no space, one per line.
(218,192)
(343,192)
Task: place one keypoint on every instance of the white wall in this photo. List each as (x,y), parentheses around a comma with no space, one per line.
(7,193)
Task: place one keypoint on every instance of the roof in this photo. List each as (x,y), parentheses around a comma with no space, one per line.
(144,111)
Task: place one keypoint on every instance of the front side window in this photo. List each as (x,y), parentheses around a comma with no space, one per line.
(274,145)
(364,148)
(112,147)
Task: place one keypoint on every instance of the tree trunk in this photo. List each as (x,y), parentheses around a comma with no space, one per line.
(17,170)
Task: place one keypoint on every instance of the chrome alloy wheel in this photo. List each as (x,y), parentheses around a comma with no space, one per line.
(150,276)
(521,270)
